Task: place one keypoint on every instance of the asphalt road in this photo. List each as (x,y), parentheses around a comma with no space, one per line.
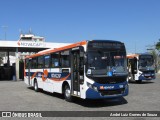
(15,96)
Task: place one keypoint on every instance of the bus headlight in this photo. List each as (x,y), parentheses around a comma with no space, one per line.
(126,86)
(95,88)
(92,86)
(89,85)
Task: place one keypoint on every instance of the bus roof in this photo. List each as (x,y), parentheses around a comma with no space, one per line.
(132,55)
(136,55)
(48,51)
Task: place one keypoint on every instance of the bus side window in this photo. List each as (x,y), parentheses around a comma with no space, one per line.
(55,60)
(47,61)
(40,61)
(65,58)
(34,63)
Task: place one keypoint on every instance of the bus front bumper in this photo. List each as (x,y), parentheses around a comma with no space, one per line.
(108,91)
(150,77)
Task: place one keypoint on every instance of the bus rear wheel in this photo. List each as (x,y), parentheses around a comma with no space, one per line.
(36,86)
(67,93)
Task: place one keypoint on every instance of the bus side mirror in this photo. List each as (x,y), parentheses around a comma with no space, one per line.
(85,58)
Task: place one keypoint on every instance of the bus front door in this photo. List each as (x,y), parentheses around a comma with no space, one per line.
(77,71)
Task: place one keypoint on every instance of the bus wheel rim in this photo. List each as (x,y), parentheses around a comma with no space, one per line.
(35,86)
(67,92)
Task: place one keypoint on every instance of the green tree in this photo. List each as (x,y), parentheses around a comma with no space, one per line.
(158,45)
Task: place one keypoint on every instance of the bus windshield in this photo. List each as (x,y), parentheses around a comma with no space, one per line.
(102,61)
(146,62)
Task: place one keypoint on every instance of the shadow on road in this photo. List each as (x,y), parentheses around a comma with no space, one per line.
(143,82)
(100,102)
(88,102)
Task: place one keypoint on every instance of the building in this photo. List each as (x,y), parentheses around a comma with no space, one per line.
(26,45)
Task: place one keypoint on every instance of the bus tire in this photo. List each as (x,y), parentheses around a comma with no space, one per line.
(67,93)
(36,86)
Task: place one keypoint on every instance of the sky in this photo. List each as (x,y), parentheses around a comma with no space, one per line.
(134,22)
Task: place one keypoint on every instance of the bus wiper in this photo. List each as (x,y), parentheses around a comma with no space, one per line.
(92,68)
(120,73)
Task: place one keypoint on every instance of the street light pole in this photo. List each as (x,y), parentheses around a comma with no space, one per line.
(5,37)
(5,32)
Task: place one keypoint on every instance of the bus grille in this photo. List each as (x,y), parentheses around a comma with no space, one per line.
(112,92)
(110,80)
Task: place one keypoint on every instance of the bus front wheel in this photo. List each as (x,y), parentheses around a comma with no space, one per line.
(67,93)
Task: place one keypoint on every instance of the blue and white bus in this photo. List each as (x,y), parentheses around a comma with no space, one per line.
(95,69)
(141,67)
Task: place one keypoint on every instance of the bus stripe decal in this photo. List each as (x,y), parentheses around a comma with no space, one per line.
(34,75)
(44,77)
(61,79)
